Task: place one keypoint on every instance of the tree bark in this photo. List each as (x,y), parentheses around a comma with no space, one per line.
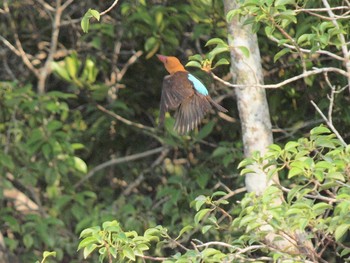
(251,101)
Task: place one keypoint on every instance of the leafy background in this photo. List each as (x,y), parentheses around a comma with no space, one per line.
(50,141)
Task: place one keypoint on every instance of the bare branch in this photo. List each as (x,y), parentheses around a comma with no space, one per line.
(320,51)
(341,37)
(315,71)
(141,177)
(124,159)
(109,8)
(330,124)
(127,122)
(20,51)
(45,70)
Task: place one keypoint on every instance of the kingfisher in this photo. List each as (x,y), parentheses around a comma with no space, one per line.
(183,92)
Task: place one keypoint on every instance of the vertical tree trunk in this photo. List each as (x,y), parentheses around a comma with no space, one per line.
(255,119)
(252,104)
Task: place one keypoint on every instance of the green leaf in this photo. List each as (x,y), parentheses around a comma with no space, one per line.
(194,64)
(206,228)
(80,165)
(281,53)
(222,61)
(129,253)
(196,57)
(244,50)
(184,230)
(320,208)
(231,14)
(89,249)
(205,131)
(199,201)
(216,41)
(49,254)
(340,231)
(284,2)
(60,70)
(291,145)
(95,14)
(220,151)
(199,215)
(89,231)
(295,171)
(320,130)
(219,193)
(85,23)
(87,241)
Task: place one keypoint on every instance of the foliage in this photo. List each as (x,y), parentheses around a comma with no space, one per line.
(179,199)
(315,208)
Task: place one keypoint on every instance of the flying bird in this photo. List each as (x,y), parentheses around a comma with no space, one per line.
(183,92)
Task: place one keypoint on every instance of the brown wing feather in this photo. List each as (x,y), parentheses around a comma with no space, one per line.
(191,112)
(176,88)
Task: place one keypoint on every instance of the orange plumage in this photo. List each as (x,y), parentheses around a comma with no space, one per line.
(184,93)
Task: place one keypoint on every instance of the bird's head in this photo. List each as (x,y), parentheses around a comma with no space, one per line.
(172,64)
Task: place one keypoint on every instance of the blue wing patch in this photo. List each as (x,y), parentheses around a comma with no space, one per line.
(198,85)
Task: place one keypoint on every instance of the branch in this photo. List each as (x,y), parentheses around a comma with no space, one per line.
(126,121)
(315,71)
(322,52)
(141,177)
(330,124)
(109,8)
(318,197)
(124,159)
(45,70)
(20,51)
(341,37)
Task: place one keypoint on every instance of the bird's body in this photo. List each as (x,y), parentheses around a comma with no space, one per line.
(186,94)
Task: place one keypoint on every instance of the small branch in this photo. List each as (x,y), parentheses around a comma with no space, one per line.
(20,51)
(109,8)
(341,37)
(154,258)
(315,71)
(130,61)
(124,159)
(321,52)
(141,177)
(318,197)
(45,70)
(330,124)
(217,243)
(127,122)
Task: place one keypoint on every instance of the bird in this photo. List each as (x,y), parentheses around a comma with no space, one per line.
(183,92)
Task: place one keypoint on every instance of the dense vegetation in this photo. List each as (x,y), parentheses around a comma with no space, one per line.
(84,165)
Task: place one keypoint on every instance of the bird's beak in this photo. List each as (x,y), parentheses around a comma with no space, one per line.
(161,58)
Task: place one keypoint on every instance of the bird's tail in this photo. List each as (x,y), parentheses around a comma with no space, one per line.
(217,105)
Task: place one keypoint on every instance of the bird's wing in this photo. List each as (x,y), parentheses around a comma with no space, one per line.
(191,112)
(176,88)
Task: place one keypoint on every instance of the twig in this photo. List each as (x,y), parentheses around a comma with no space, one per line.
(320,51)
(341,37)
(330,124)
(109,8)
(315,71)
(20,51)
(318,197)
(130,61)
(141,177)
(124,159)
(127,122)
(153,258)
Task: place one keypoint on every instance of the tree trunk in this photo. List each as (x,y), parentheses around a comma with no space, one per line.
(255,120)
(252,104)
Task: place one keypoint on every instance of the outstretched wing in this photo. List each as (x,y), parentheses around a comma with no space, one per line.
(176,88)
(191,112)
